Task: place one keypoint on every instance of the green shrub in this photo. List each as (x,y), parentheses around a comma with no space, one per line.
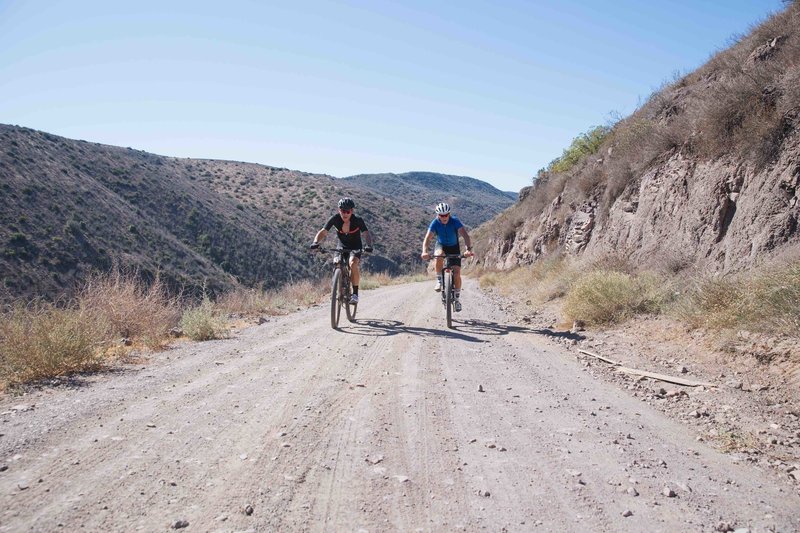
(204,322)
(583,145)
(607,296)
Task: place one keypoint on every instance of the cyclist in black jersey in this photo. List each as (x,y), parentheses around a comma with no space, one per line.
(349,228)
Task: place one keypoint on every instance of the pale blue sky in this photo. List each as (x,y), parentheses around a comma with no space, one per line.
(489,89)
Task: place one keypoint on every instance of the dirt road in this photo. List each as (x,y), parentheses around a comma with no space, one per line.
(292,426)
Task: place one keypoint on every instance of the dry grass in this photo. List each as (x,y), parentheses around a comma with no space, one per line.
(44,340)
(538,283)
(375,280)
(253,302)
(132,308)
(765,301)
(245,302)
(607,296)
(204,322)
(299,294)
(383,279)
(41,341)
(734,441)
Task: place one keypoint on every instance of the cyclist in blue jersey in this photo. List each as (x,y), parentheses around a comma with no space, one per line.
(447,229)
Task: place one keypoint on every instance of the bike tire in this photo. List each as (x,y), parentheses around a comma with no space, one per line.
(336,309)
(448,298)
(351,309)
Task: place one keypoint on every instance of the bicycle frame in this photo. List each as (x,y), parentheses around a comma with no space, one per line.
(341,287)
(448,285)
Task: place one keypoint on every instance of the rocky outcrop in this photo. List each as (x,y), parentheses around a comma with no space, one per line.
(721,215)
(580,228)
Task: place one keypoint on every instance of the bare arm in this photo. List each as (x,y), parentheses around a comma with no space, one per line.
(465,235)
(320,236)
(426,241)
(367,238)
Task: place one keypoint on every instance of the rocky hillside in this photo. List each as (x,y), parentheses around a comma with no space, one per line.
(67,207)
(472,200)
(706,173)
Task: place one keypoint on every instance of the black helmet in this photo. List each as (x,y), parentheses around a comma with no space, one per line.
(347,203)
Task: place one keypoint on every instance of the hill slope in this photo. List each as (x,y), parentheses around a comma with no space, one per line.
(706,173)
(472,200)
(70,206)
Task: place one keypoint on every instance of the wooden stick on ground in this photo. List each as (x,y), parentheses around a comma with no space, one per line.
(606,359)
(653,375)
(664,377)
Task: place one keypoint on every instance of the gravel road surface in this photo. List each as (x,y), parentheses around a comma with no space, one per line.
(391,423)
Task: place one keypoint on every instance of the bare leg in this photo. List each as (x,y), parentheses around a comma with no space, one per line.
(355,272)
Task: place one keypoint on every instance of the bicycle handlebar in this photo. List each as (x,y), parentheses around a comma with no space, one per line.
(327,250)
(447,256)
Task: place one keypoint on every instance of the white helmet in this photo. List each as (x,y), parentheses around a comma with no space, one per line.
(442,208)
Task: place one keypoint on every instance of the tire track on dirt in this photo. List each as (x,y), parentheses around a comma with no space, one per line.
(387,431)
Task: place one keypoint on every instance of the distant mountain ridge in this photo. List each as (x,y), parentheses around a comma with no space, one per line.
(472,200)
(68,207)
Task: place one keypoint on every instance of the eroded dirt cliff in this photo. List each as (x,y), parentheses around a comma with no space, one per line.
(723,215)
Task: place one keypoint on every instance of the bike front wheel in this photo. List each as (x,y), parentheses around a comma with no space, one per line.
(336,289)
(350,309)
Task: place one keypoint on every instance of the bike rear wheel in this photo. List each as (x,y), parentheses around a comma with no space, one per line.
(336,289)
(448,298)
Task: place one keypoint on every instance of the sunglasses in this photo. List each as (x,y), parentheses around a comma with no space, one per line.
(444,216)
(345,211)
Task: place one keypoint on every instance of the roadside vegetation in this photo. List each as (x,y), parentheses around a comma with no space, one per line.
(611,291)
(119,311)
(116,312)
(745,101)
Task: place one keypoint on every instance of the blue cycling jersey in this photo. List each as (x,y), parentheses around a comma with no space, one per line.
(446,234)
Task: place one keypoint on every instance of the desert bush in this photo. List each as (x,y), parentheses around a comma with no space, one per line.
(244,301)
(131,307)
(374,280)
(765,301)
(608,296)
(41,341)
(203,322)
(300,294)
(540,282)
(487,279)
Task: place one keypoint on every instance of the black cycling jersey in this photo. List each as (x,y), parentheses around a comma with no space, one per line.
(352,239)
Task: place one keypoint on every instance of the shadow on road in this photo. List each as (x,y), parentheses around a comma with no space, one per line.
(387,328)
(484,327)
(558,334)
(463,330)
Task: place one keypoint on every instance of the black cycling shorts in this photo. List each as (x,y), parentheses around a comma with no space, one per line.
(450,261)
(345,255)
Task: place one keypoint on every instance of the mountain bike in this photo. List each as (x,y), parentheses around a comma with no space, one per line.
(448,285)
(341,287)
